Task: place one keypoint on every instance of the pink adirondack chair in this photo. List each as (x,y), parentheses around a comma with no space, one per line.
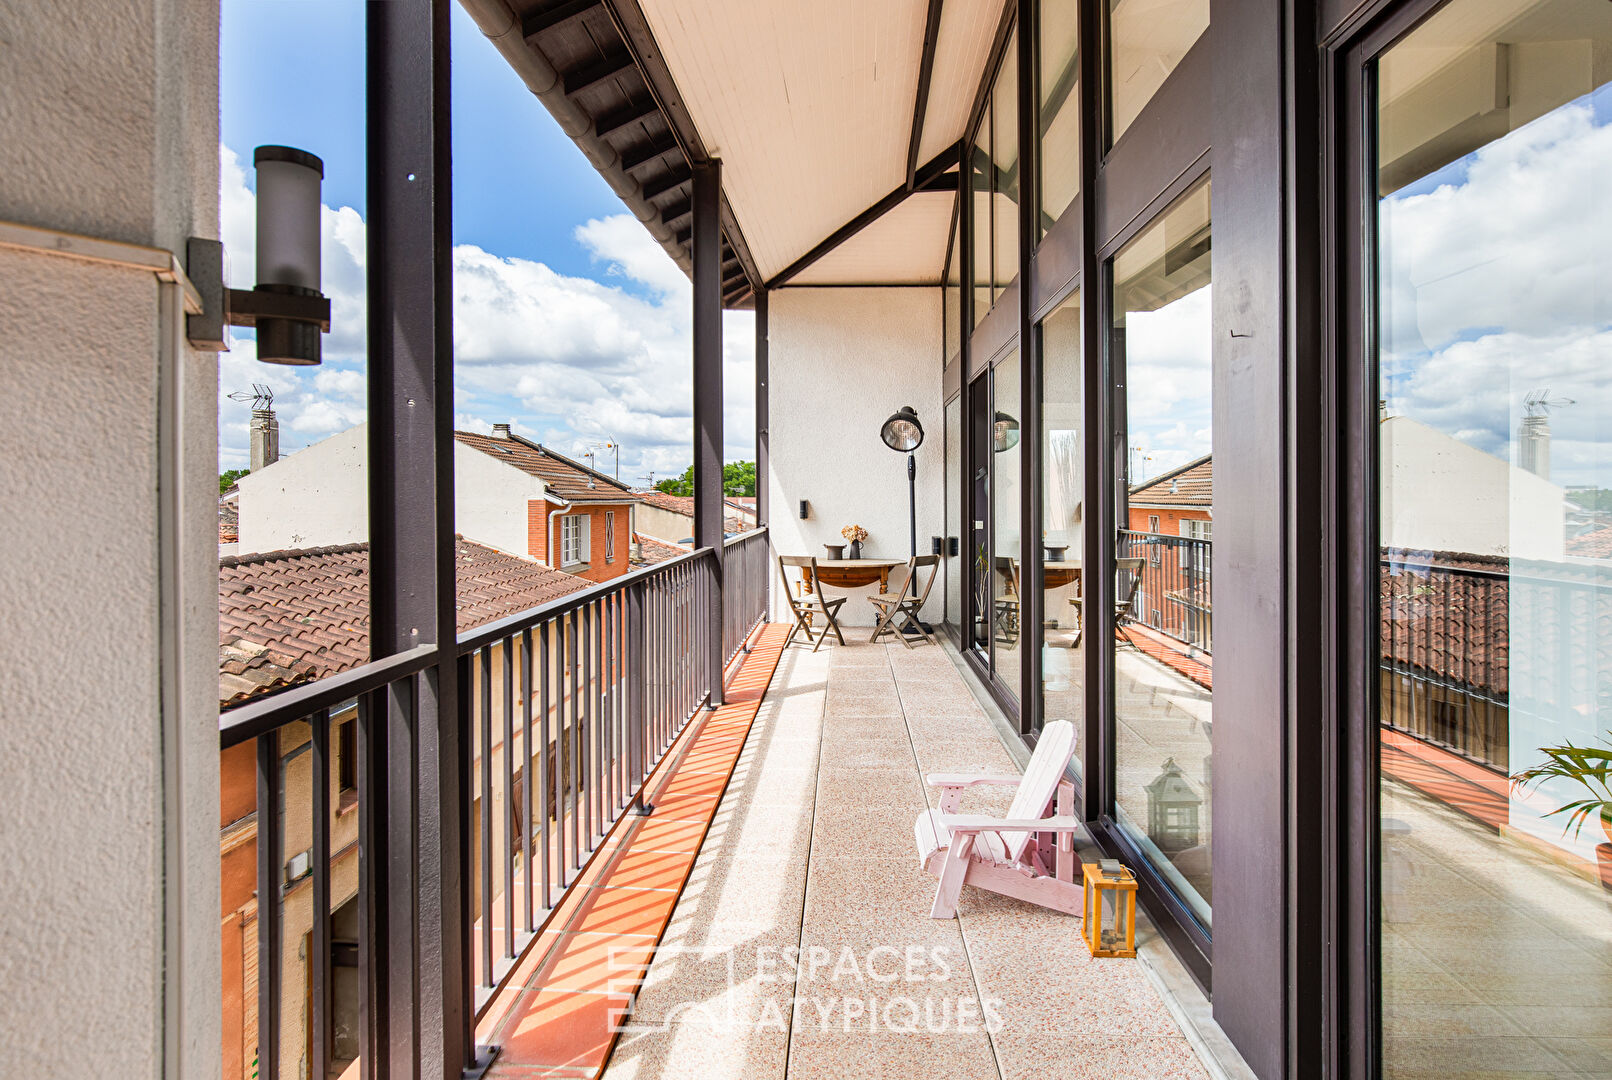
(999,854)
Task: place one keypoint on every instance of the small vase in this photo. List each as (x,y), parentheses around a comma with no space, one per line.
(856,549)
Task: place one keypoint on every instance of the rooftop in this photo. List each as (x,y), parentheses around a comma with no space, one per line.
(1189,485)
(566,479)
(287,617)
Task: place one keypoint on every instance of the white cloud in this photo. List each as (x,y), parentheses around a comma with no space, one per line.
(567,360)
(1499,283)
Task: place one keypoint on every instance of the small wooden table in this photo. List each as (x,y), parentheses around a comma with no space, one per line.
(1063,572)
(851,573)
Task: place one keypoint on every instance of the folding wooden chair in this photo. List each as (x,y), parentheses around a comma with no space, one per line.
(809,605)
(1124,604)
(900,603)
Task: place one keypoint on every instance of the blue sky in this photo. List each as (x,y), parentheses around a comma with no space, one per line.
(573,324)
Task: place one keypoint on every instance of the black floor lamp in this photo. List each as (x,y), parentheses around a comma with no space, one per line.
(904,434)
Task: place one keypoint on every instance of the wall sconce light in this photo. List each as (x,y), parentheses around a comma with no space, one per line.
(286,308)
(805,509)
(935,544)
(1004,433)
(952,547)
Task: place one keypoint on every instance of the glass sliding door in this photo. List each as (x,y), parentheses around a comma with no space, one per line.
(1493,263)
(1059,117)
(952,564)
(1160,344)
(1007,565)
(1063,513)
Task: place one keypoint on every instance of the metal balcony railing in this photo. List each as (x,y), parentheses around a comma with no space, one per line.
(562,714)
(1174,596)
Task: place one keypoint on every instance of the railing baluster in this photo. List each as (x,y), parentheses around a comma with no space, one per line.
(322,1029)
(508,666)
(484,849)
(269,862)
(528,836)
(546,766)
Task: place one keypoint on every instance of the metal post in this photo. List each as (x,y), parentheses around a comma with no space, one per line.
(707,244)
(763,445)
(412,536)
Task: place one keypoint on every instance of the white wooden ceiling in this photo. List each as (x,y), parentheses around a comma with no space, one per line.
(907,246)
(809,106)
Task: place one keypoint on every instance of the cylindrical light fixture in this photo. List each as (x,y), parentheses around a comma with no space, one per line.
(288,206)
(1004,433)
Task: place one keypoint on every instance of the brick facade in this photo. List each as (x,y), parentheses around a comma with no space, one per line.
(599,567)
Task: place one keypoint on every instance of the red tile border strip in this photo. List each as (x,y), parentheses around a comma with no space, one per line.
(567,1014)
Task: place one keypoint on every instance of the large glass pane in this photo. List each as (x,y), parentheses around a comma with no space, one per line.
(1005,176)
(1146,40)
(1163,711)
(980,186)
(1006,491)
(954,513)
(1494,354)
(1063,457)
(1059,122)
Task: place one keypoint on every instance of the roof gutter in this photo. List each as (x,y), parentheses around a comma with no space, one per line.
(503,28)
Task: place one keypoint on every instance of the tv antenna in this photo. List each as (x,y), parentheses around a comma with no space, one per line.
(261,397)
(1540,403)
(608,444)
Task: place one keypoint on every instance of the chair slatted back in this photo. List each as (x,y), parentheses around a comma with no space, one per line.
(917,563)
(804,563)
(1040,783)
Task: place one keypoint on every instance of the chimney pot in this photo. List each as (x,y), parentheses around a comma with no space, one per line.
(500,431)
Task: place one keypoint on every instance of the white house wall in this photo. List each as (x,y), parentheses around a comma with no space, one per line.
(109,877)
(663,524)
(841,361)
(318,497)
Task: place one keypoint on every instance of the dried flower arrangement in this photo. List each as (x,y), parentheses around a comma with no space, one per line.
(854,534)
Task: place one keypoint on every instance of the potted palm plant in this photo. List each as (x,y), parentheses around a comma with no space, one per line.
(1591,769)
(1587,766)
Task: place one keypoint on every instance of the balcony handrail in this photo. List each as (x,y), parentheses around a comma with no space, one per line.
(250,719)
(476,637)
(739,538)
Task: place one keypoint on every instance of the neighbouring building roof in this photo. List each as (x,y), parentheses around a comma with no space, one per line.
(564,478)
(1189,485)
(684,505)
(652,551)
(1595,544)
(287,617)
(229,518)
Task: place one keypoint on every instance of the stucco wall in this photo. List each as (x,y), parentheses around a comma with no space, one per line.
(841,361)
(319,497)
(663,524)
(109,854)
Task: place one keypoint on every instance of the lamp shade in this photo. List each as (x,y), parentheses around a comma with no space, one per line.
(1004,433)
(288,208)
(902,431)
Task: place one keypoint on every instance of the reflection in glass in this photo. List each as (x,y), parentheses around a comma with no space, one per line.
(1006,570)
(1494,367)
(953,566)
(1063,672)
(1005,176)
(1163,405)
(951,300)
(1059,122)
(1146,40)
(980,186)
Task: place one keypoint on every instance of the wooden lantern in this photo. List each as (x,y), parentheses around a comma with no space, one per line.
(1110,921)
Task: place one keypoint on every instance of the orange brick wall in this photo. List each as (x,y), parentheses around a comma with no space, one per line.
(537,528)
(1169,520)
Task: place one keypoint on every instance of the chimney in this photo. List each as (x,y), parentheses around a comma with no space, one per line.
(500,431)
(1533,445)
(265,439)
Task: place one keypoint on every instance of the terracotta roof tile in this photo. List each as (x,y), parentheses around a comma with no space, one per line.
(1192,484)
(657,551)
(289,616)
(566,479)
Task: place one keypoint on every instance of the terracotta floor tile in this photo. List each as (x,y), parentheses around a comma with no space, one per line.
(562,1029)
(670,834)
(647,868)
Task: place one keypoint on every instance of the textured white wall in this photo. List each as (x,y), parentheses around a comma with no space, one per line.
(841,361)
(663,524)
(109,899)
(319,497)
